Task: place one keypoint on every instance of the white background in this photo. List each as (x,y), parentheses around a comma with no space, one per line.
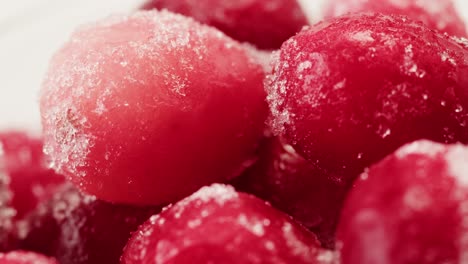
(31,30)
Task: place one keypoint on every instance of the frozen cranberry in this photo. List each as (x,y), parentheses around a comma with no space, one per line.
(24,257)
(25,181)
(436,14)
(296,187)
(7,232)
(147,108)
(266,24)
(29,179)
(409,208)
(77,228)
(219,225)
(349,91)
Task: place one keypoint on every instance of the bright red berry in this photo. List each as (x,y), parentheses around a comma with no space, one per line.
(217,224)
(437,14)
(147,108)
(409,208)
(349,91)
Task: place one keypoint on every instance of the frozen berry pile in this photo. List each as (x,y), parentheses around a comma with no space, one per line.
(168,140)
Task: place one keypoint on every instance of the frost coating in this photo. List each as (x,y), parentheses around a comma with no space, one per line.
(411,208)
(437,14)
(80,229)
(457,159)
(379,81)
(216,192)
(129,101)
(455,156)
(348,92)
(421,147)
(6,211)
(204,229)
(24,257)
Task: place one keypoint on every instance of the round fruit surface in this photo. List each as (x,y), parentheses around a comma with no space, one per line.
(147,108)
(351,90)
(409,208)
(80,229)
(298,187)
(217,224)
(266,24)
(437,14)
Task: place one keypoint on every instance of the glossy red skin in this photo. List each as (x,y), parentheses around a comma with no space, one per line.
(219,225)
(436,14)
(409,208)
(24,257)
(266,24)
(31,181)
(134,106)
(75,228)
(297,187)
(351,90)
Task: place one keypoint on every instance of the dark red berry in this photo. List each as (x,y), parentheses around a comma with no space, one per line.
(266,24)
(30,180)
(77,228)
(297,187)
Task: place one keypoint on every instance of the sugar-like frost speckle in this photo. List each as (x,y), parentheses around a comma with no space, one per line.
(457,160)
(255,226)
(421,147)
(296,246)
(217,192)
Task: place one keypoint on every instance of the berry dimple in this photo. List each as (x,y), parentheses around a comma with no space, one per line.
(266,24)
(409,208)
(134,105)
(219,224)
(437,14)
